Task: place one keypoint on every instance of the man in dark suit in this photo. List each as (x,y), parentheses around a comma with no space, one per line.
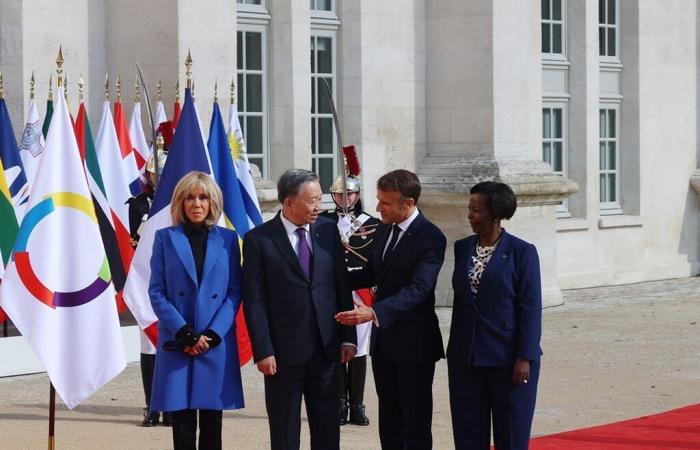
(294,282)
(406,339)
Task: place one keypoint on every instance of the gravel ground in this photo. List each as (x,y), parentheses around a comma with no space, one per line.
(611,353)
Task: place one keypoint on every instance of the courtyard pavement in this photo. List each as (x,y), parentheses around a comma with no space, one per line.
(610,353)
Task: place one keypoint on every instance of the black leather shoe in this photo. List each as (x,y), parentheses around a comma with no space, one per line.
(167,419)
(343,413)
(150,418)
(358,416)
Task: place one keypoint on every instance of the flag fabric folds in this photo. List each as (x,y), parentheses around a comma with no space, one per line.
(8,224)
(47,117)
(176,114)
(32,144)
(138,139)
(12,162)
(240,160)
(116,176)
(186,153)
(68,316)
(93,174)
(128,154)
(234,208)
(160,113)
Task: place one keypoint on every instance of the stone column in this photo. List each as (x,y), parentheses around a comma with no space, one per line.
(160,36)
(289,86)
(382,86)
(484,90)
(30,35)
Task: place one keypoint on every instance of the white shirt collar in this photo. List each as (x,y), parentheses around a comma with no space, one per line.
(407,223)
(290,227)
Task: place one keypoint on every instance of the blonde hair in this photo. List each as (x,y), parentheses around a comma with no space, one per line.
(185,186)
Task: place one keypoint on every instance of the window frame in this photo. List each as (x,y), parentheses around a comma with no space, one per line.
(614,206)
(562,209)
(551,22)
(323,32)
(255,26)
(605,25)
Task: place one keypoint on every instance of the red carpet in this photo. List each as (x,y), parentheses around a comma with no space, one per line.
(676,429)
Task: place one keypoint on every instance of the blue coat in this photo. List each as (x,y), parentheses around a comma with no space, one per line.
(503,321)
(211,380)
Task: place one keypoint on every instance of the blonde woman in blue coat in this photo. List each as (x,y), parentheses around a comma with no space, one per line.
(195,292)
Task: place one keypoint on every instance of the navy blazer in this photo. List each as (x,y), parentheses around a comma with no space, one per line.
(504,320)
(404,303)
(287,313)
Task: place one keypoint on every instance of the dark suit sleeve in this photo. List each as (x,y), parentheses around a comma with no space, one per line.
(422,283)
(342,287)
(225,316)
(529,305)
(166,312)
(254,302)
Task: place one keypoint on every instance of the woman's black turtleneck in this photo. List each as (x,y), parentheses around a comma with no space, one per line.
(197,236)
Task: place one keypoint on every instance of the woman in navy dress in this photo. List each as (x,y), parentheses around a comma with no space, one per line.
(493,354)
(195,292)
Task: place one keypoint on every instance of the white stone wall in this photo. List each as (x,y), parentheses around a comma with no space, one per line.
(660,238)
(419,79)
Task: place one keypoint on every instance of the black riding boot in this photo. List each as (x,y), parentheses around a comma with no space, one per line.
(357,372)
(150,418)
(343,386)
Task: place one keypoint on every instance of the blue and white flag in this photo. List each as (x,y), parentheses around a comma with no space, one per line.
(240,160)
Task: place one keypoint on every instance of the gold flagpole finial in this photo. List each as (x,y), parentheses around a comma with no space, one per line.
(51,87)
(177,91)
(233,92)
(188,69)
(137,98)
(59,67)
(81,86)
(106,87)
(31,86)
(216,91)
(1,83)
(119,90)
(159,89)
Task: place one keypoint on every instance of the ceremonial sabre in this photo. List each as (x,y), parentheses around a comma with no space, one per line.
(154,134)
(343,168)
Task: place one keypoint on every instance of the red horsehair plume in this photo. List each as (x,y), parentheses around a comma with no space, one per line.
(166,129)
(351,159)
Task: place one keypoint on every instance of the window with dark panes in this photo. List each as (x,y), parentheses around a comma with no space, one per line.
(323,143)
(552,26)
(607,28)
(252,95)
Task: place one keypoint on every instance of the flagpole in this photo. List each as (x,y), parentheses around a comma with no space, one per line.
(52,416)
(4,328)
(52,390)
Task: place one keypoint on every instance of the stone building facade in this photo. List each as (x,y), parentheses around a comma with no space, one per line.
(588,108)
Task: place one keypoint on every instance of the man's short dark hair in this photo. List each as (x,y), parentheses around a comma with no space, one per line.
(500,198)
(402,181)
(291,181)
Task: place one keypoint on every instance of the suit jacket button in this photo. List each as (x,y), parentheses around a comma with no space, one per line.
(215,295)
(181,293)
